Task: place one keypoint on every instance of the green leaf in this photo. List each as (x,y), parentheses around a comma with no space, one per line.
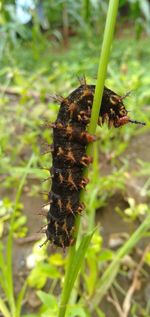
(40,273)
(20,299)
(105,255)
(76,310)
(73,269)
(3,309)
(48,300)
(56,259)
(79,257)
(48,313)
(19,222)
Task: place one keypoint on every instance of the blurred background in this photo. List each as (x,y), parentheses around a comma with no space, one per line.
(45,47)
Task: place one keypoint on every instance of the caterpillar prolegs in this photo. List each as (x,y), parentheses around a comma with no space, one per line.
(69,158)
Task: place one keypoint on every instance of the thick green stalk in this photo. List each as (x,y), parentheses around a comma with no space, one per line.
(102,69)
(103,62)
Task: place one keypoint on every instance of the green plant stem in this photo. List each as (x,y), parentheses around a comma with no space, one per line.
(102,69)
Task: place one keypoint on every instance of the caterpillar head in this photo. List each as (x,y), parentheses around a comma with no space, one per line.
(113,110)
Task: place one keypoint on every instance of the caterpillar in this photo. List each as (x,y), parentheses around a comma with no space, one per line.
(69,158)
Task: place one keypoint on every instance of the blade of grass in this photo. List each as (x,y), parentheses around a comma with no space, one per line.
(110,273)
(75,267)
(3,309)
(104,58)
(19,171)
(3,272)
(20,299)
(79,256)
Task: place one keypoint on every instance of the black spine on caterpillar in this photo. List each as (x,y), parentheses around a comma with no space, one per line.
(69,157)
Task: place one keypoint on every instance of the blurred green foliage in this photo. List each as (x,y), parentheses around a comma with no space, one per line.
(37,62)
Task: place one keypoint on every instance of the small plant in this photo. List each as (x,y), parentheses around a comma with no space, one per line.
(13,306)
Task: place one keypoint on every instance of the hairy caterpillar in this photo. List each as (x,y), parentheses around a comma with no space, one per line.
(70,140)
